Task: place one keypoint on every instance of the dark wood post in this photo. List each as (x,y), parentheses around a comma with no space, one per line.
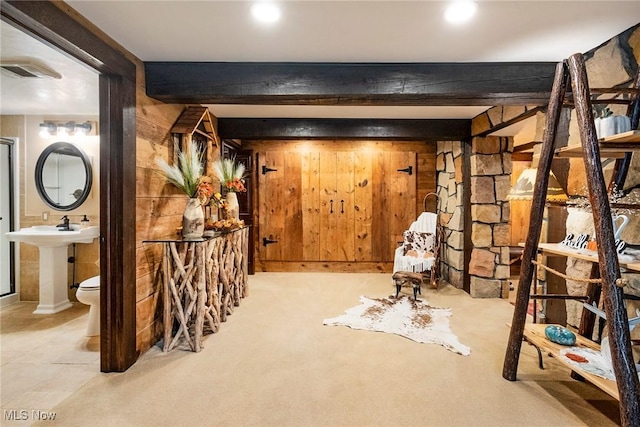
(614,304)
(510,367)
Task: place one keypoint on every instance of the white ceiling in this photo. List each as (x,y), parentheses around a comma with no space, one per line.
(324,31)
(76,93)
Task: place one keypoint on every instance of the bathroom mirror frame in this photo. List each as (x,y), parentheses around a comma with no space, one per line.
(67,148)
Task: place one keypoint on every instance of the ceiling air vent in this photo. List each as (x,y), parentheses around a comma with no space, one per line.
(27,69)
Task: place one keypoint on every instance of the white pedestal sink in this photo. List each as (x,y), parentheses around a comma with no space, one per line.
(52,245)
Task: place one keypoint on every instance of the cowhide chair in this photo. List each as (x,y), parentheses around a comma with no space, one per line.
(419,254)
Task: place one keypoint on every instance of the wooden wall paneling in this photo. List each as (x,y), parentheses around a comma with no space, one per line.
(345,228)
(426,179)
(520,212)
(556,310)
(363,204)
(401,197)
(363,174)
(328,215)
(292,232)
(310,205)
(159,209)
(520,209)
(380,220)
(271,205)
(328,266)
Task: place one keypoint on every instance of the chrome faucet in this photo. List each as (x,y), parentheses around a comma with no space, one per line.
(65,224)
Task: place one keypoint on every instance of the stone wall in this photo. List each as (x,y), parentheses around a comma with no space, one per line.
(490,216)
(500,114)
(449,167)
(613,63)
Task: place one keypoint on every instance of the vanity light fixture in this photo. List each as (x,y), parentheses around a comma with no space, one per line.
(265,12)
(48,129)
(66,129)
(82,128)
(460,11)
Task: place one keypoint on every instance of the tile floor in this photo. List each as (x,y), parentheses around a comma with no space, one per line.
(43,358)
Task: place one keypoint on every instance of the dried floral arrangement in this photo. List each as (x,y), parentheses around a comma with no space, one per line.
(230,174)
(187,173)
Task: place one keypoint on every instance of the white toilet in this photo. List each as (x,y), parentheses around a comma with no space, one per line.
(89,293)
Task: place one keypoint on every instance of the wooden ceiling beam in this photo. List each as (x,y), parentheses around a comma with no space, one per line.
(396,129)
(412,84)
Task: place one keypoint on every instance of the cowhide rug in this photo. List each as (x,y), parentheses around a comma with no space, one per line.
(403,316)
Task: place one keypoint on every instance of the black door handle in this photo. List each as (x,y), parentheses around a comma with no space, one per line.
(266,242)
(341,206)
(331,209)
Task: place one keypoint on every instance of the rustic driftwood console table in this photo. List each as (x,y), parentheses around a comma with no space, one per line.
(203,280)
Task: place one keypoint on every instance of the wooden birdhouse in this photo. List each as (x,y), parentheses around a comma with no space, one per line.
(196,124)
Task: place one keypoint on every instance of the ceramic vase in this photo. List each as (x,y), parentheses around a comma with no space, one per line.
(193,220)
(612,125)
(233,209)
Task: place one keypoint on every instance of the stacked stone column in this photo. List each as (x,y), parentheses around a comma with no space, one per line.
(449,163)
(490,216)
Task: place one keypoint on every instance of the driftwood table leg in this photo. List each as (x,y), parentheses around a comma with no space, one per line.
(201,297)
(167,318)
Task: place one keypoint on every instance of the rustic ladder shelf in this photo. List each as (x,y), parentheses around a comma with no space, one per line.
(572,73)
(614,147)
(534,334)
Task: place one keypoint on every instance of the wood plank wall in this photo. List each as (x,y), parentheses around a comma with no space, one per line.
(312,179)
(159,209)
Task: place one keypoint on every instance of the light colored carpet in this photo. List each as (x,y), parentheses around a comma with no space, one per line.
(403,316)
(273,363)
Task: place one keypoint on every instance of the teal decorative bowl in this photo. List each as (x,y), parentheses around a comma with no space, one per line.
(560,335)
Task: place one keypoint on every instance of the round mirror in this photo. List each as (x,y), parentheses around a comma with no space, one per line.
(63,176)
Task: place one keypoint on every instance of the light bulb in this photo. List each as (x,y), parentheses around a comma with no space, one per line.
(82,129)
(46,130)
(460,11)
(265,12)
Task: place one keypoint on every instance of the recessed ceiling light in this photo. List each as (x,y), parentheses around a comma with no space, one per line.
(265,12)
(460,11)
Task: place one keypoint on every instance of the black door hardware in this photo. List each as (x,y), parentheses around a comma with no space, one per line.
(331,202)
(408,169)
(341,206)
(265,169)
(266,241)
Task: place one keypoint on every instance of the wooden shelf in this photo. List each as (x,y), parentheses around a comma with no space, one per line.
(614,146)
(583,254)
(534,334)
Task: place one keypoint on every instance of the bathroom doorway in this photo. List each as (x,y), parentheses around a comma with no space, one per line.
(58,28)
(7,215)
